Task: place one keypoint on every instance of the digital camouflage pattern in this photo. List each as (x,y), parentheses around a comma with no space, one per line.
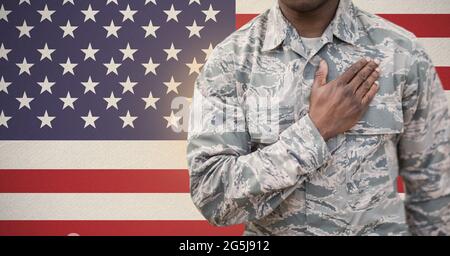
(255,157)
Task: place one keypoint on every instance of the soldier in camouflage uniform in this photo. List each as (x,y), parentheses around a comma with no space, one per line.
(256,157)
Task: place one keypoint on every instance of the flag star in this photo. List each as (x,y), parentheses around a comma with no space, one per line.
(172,52)
(112,66)
(4,13)
(112,29)
(89,14)
(172,120)
(46,53)
(112,1)
(4,85)
(128,14)
(194,67)
(68,101)
(25,1)
(112,101)
(4,52)
(172,85)
(46,120)
(46,14)
(128,120)
(24,101)
(89,52)
(24,29)
(128,85)
(150,66)
(89,120)
(210,14)
(128,52)
(194,29)
(150,29)
(4,119)
(208,51)
(68,1)
(172,14)
(68,66)
(46,85)
(194,1)
(68,29)
(148,1)
(24,67)
(89,85)
(150,101)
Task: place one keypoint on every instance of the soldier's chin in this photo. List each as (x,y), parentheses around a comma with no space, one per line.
(303,5)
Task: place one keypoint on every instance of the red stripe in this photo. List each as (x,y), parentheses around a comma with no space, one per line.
(444,75)
(116,228)
(422,25)
(98,181)
(94,181)
(400,185)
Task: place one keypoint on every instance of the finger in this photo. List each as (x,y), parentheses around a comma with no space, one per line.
(365,86)
(370,94)
(363,74)
(321,74)
(352,71)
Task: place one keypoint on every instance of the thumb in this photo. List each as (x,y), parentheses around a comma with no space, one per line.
(321,74)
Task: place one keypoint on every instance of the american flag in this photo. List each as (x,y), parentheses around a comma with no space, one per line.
(94,98)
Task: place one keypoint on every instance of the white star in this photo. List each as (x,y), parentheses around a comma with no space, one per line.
(208,51)
(89,85)
(150,29)
(89,14)
(172,14)
(46,85)
(112,1)
(4,119)
(128,52)
(112,66)
(150,101)
(172,52)
(194,29)
(46,14)
(68,1)
(68,29)
(128,14)
(4,85)
(4,13)
(148,1)
(194,67)
(150,66)
(46,120)
(172,120)
(89,120)
(24,29)
(68,101)
(112,29)
(128,85)
(25,1)
(112,101)
(194,1)
(24,101)
(172,85)
(210,14)
(24,67)
(4,52)
(68,66)
(89,52)
(128,120)
(46,53)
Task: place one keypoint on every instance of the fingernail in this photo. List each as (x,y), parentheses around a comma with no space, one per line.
(378,70)
(368,59)
(377,61)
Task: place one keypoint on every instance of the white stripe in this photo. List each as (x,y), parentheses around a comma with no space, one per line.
(438,49)
(93,154)
(97,206)
(448,99)
(373,6)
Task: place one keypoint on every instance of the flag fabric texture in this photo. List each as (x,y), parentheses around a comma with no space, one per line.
(94,99)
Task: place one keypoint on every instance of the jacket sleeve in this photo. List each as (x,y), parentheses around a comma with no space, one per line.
(424,149)
(229,183)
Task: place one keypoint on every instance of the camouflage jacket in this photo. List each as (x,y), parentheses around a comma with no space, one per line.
(255,157)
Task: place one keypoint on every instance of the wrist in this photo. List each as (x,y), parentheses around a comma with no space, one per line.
(322,128)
